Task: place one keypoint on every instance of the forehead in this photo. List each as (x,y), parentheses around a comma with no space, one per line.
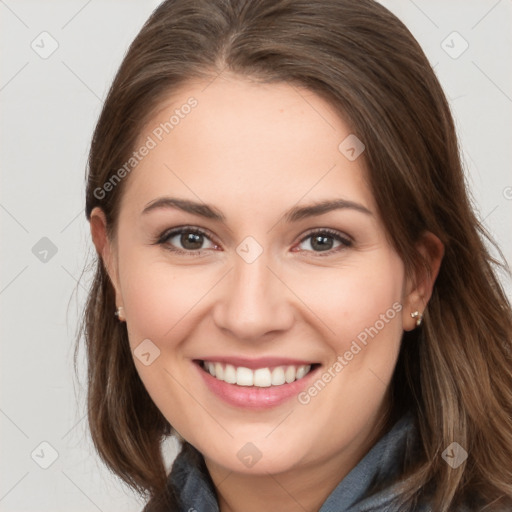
(232,141)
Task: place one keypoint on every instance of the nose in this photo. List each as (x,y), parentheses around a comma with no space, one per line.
(254,302)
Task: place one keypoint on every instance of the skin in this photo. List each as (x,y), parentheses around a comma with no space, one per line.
(253,152)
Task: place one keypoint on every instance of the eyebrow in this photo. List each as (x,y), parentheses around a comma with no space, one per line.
(293,215)
(302,212)
(201,209)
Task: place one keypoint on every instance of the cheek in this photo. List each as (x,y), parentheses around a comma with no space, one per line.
(359,311)
(159,297)
(161,304)
(356,302)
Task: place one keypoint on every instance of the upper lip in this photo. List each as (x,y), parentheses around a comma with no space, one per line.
(261,362)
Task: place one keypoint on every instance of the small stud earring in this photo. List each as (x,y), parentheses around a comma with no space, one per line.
(119,313)
(418,316)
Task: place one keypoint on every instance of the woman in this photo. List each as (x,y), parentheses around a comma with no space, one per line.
(290,276)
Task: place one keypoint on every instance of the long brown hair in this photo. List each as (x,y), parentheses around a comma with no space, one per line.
(455,373)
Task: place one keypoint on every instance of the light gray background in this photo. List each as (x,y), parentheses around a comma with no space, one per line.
(49,108)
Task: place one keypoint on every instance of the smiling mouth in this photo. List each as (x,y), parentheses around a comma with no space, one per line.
(259,377)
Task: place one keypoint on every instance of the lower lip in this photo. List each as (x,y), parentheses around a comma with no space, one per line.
(253,397)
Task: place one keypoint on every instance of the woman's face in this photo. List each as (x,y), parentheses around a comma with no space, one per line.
(281,266)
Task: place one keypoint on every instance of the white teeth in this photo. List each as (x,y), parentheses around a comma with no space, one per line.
(244,376)
(278,376)
(219,371)
(289,374)
(302,370)
(230,374)
(261,377)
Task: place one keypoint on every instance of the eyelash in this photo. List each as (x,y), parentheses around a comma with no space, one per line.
(163,239)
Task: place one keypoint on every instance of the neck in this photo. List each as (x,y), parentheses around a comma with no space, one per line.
(285,491)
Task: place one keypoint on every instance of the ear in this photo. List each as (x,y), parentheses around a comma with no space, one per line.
(418,287)
(105,248)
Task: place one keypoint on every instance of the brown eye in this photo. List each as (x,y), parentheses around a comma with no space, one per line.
(324,241)
(191,241)
(186,240)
